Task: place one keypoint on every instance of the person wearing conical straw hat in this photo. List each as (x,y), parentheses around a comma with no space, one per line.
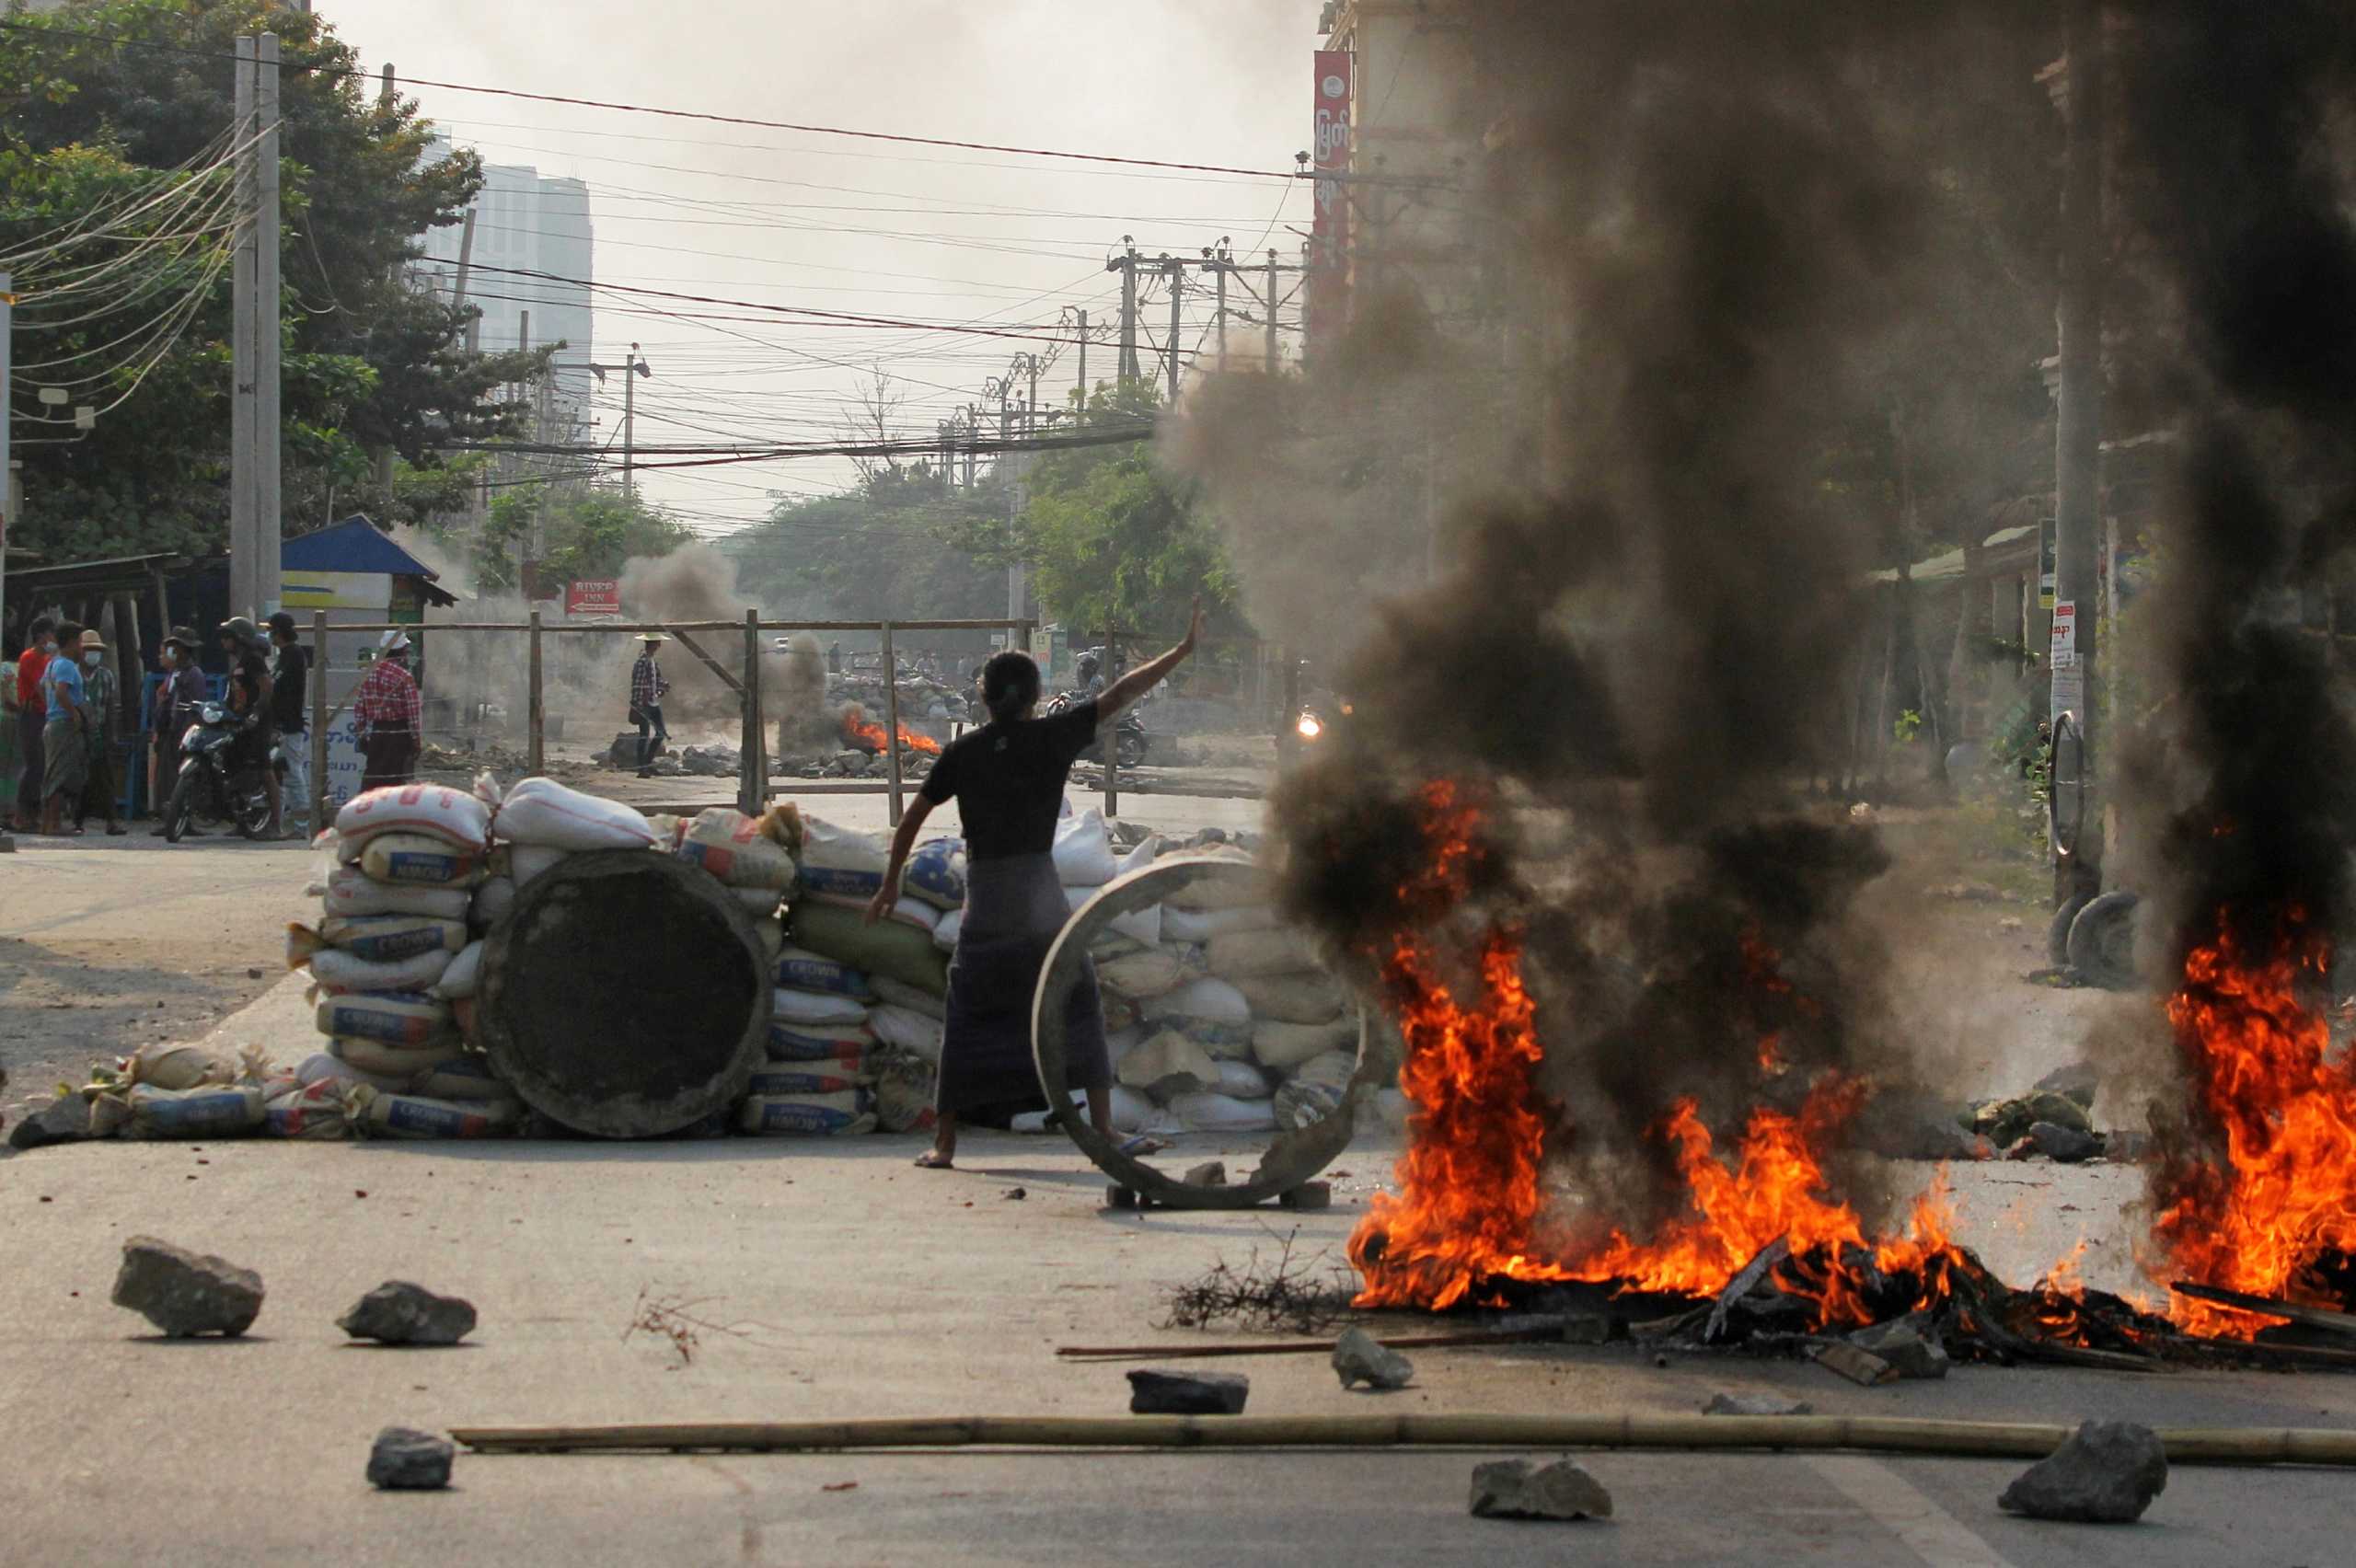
(390,715)
(647,689)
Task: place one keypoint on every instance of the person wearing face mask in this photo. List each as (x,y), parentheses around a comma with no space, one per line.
(33,717)
(177,700)
(102,718)
(64,743)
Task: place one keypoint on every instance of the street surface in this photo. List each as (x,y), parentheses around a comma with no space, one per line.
(831,1279)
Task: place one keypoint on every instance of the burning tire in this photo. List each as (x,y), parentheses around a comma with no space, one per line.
(2102,941)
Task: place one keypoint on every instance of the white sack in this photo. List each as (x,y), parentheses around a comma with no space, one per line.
(541,811)
(1083,851)
(816,1006)
(453,816)
(907,1030)
(464,977)
(1138,926)
(1212,1113)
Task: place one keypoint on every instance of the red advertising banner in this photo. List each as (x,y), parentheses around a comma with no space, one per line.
(1329,266)
(594,596)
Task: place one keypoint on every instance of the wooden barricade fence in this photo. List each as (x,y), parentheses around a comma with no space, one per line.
(754,787)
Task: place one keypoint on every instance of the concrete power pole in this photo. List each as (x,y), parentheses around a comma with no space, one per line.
(1083,361)
(1127,265)
(2077,521)
(630,420)
(1177,271)
(269,425)
(1269,310)
(245,530)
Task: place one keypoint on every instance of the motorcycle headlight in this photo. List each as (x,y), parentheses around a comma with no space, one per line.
(1308,726)
(211,713)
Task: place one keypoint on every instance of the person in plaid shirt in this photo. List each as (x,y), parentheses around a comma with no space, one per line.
(647,688)
(390,715)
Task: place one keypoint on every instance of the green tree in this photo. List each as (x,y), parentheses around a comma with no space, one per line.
(588,534)
(109,98)
(902,543)
(1112,537)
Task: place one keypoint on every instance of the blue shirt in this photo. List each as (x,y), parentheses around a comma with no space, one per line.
(63,679)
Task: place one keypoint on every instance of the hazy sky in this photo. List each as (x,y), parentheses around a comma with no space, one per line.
(916,234)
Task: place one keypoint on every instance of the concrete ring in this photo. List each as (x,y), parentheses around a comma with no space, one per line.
(1292,1158)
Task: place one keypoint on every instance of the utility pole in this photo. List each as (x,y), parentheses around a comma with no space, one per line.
(2077,521)
(269,426)
(1221,317)
(1083,361)
(1268,309)
(465,261)
(245,529)
(1127,265)
(1177,272)
(629,420)
(1031,409)
(8,488)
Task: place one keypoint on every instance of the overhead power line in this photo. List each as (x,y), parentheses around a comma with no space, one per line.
(125,42)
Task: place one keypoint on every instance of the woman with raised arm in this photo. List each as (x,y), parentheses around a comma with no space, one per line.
(1008,779)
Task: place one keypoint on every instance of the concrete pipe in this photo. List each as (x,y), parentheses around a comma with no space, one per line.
(1292,1157)
(626,995)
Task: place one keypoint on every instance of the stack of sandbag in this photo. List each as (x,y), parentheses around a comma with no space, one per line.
(857,1017)
(1227,1021)
(181,1091)
(753,856)
(1086,859)
(393,960)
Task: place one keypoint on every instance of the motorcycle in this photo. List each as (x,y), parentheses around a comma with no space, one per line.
(208,788)
(1130,741)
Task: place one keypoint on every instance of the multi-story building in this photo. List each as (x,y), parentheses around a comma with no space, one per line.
(533,247)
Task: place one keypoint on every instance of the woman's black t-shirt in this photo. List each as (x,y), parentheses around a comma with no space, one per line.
(1007,781)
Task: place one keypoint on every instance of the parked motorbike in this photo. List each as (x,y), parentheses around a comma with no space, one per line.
(209,788)
(1130,739)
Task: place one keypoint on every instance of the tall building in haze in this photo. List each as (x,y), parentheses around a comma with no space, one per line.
(525,224)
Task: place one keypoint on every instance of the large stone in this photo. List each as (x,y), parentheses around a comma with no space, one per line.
(1187,1393)
(1360,1357)
(397,1313)
(2066,1146)
(2106,1473)
(66,1119)
(2078,1081)
(184,1293)
(405,1459)
(1902,1343)
(1755,1404)
(1526,1489)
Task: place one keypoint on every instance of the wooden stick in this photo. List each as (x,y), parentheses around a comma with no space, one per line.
(1298,1347)
(1890,1435)
(2313,1317)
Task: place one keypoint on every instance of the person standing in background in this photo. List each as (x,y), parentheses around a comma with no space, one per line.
(390,716)
(177,700)
(32,718)
(289,697)
(65,739)
(647,688)
(101,723)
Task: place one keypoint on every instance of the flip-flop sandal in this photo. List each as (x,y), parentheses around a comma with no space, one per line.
(930,1162)
(1142,1145)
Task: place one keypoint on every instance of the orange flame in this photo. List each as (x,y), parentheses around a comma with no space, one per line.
(862,732)
(2278,1192)
(1470,1212)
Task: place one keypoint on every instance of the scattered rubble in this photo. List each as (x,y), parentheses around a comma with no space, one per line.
(184,1293)
(1756,1404)
(1862,1367)
(1905,1344)
(1528,1488)
(66,1119)
(2106,1473)
(405,1459)
(397,1313)
(1187,1393)
(1360,1357)
(2064,1145)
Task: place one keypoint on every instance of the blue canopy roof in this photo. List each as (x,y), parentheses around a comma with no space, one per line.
(353,544)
